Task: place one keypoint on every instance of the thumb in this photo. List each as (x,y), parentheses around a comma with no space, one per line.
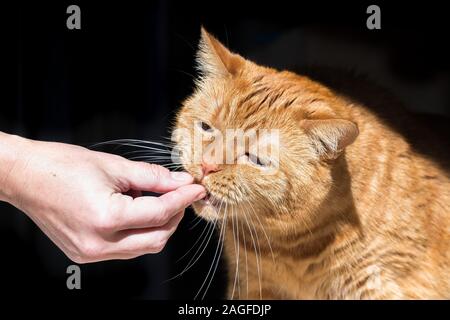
(144,176)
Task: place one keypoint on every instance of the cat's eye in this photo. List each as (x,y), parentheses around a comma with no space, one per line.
(205,127)
(256,160)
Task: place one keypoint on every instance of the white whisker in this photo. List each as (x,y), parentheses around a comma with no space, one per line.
(217,255)
(207,227)
(246,259)
(256,253)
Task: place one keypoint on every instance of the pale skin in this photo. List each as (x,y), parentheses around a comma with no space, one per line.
(89,203)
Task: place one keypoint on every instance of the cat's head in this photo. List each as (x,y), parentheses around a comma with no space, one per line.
(261,141)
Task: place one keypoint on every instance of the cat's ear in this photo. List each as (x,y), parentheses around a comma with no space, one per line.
(330,136)
(214,58)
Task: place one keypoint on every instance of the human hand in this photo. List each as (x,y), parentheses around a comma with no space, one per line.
(89,203)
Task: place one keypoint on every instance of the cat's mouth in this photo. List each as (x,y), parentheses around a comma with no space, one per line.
(210,204)
(211,201)
(207,197)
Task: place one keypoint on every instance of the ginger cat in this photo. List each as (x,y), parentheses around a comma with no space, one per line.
(348,210)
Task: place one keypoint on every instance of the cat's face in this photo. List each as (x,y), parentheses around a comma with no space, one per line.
(256,138)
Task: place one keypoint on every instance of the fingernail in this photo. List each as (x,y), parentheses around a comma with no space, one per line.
(181,176)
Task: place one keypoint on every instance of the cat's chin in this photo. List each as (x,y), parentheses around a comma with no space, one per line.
(206,209)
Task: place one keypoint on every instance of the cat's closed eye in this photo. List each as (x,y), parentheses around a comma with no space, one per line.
(257,160)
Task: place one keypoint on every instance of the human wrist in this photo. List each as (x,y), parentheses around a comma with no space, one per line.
(12,150)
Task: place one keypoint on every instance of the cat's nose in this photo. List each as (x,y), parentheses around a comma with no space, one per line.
(208,168)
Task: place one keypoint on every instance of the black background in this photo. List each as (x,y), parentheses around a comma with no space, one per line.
(124,74)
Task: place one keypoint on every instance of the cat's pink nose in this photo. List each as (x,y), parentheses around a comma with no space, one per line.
(208,168)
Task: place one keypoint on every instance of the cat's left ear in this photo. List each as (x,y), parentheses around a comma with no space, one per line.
(215,59)
(330,137)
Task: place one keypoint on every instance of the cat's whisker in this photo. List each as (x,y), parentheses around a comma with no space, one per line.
(153,151)
(236,251)
(259,251)
(121,141)
(148,145)
(170,166)
(146,152)
(197,256)
(151,148)
(165,164)
(148,148)
(246,257)
(175,168)
(222,241)
(238,256)
(175,164)
(254,247)
(207,227)
(210,228)
(263,229)
(216,256)
(195,222)
(237,242)
(152,158)
(259,257)
(198,218)
(260,223)
(239,187)
(206,238)
(186,73)
(145,147)
(156,160)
